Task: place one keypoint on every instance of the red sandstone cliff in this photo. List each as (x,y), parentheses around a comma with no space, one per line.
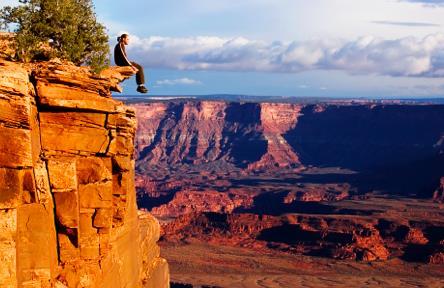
(394,148)
(67,199)
(277,120)
(206,131)
(280,135)
(192,133)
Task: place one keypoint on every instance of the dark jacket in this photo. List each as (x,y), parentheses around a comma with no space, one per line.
(120,57)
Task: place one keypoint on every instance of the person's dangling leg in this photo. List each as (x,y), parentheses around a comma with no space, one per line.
(140,78)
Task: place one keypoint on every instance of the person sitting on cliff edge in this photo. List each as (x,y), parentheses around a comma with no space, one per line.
(121,59)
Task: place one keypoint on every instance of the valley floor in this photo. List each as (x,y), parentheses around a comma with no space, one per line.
(203,265)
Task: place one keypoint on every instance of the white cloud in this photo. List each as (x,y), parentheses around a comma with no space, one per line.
(181,81)
(419,57)
(430,3)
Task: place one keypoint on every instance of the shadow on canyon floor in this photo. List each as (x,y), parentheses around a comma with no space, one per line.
(147,202)
(415,179)
(273,204)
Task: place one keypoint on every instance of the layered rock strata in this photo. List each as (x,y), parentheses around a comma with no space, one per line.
(245,134)
(67,199)
(277,120)
(263,136)
(309,152)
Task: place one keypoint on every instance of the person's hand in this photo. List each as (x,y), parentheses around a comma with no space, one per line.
(135,69)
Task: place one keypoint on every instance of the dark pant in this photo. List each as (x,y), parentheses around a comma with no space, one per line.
(140,77)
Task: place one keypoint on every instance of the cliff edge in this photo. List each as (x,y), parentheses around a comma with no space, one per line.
(68,213)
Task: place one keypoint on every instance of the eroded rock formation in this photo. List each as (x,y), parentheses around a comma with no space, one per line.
(277,120)
(185,202)
(67,199)
(318,236)
(377,236)
(255,136)
(203,156)
(245,134)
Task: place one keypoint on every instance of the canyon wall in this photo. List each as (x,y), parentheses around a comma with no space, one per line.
(399,146)
(67,199)
(281,135)
(245,134)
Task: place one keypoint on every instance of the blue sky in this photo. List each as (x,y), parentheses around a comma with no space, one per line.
(341,48)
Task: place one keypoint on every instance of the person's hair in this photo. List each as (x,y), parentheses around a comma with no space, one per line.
(124,35)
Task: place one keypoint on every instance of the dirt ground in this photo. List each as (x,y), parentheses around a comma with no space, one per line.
(201,265)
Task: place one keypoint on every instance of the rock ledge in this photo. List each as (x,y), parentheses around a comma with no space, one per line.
(67,199)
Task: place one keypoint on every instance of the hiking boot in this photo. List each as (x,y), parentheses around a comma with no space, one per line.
(142,89)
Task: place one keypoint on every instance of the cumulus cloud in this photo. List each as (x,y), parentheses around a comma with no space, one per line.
(419,57)
(181,81)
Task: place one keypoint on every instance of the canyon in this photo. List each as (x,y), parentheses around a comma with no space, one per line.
(353,143)
(68,208)
(245,193)
(328,181)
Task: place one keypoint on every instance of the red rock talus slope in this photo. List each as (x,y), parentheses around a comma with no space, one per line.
(67,199)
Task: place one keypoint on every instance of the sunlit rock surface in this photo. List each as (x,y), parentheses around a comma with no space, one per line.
(68,213)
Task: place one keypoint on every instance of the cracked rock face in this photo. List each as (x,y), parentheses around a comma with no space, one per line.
(67,200)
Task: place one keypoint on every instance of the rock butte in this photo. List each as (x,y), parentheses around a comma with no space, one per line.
(67,199)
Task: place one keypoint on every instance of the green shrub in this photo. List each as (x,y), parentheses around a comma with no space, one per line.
(66,29)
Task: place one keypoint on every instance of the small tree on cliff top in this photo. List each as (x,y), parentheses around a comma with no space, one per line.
(67,29)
